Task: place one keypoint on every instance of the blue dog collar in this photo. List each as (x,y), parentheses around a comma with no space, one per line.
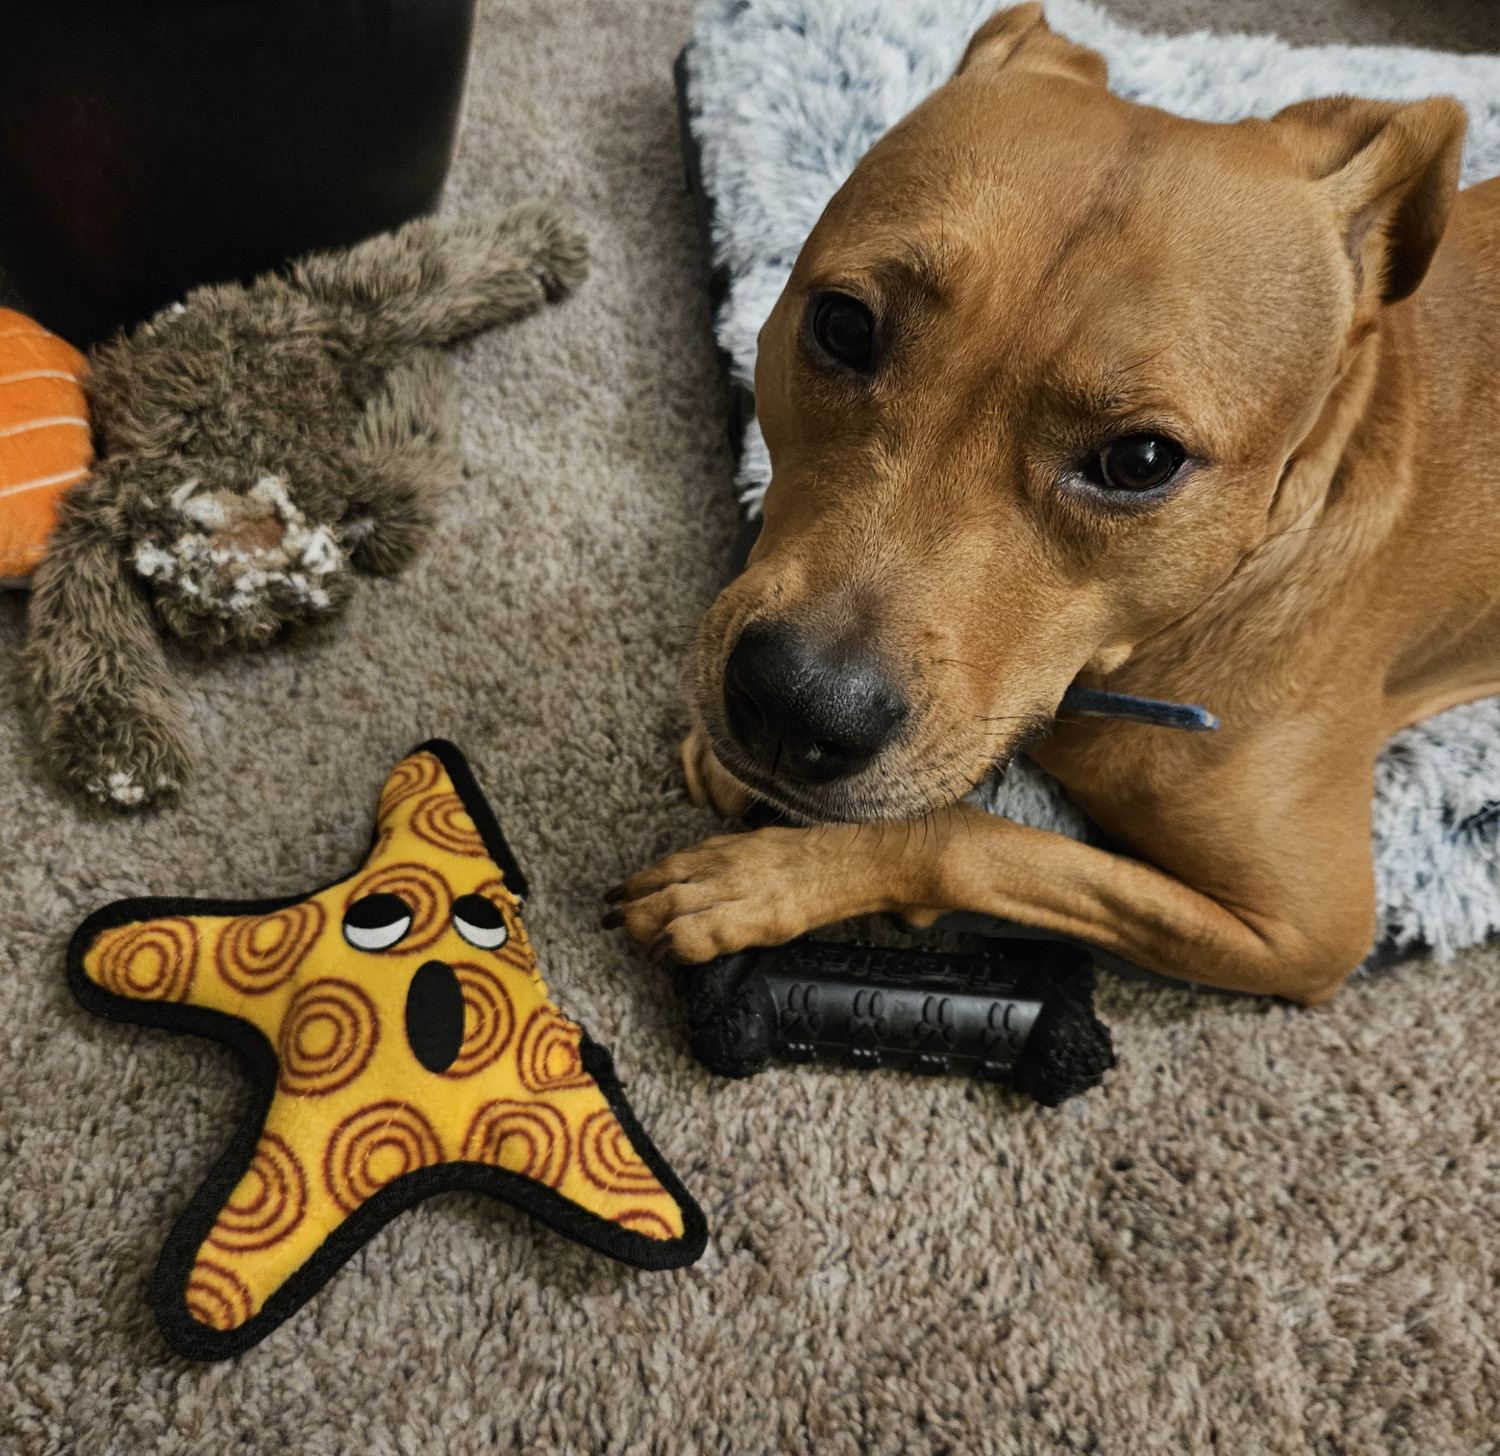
(1093,703)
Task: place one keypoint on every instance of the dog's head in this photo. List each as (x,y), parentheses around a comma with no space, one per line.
(1031,394)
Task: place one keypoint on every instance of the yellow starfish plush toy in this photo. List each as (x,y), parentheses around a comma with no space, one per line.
(403,1043)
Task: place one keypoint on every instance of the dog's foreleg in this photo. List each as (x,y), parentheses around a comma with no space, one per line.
(103,699)
(766,887)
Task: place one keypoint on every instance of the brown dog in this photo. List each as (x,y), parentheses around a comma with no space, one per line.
(1062,388)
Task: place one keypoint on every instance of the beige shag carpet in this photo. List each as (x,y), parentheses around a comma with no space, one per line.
(1272,1231)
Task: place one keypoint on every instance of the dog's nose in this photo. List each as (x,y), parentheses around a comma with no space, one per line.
(808,710)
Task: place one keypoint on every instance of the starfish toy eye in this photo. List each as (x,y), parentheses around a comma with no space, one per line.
(377,922)
(480,922)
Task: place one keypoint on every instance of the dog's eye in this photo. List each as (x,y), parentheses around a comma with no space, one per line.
(844,329)
(376,922)
(480,922)
(1138,462)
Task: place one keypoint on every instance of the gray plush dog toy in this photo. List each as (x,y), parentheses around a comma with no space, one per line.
(255,445)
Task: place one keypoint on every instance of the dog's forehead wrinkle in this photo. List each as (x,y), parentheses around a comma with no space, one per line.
(916,270)
(1105,211)
(1084,397)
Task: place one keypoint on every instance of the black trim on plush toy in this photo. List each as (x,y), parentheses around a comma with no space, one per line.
(196,1341)
(479,810)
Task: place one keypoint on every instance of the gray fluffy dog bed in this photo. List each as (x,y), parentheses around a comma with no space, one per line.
(782,98)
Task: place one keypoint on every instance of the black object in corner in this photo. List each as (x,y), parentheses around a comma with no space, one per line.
(1020,1011)
(147,146)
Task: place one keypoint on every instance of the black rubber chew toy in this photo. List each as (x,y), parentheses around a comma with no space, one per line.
(1021,1011)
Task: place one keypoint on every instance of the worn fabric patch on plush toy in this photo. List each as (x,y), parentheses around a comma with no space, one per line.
(403,1043)
(236,548)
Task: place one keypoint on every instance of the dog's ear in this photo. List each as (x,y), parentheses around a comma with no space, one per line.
(1390,172)
(1021,36)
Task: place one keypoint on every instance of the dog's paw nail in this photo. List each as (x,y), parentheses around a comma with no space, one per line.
(613,920)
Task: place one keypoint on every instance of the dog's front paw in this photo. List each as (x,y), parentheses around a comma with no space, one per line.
(709,783)
(721,896)
(739,890)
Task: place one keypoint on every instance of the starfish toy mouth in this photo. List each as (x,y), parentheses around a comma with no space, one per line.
(402,1043)
(435,1016)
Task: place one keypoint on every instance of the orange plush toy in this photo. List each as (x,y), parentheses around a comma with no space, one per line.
(45,445)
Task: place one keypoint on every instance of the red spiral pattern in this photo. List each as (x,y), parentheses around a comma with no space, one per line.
(327,1037)
(548,1058)
(443,822)
(489,1020)
(494,889)
(422,888)
(154,960)
(517,949)
(607,1158)
(414,775)
(258,953)
(217,1297)
(269,1202)
(375,1146)
(646,1221)
(525,1137)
